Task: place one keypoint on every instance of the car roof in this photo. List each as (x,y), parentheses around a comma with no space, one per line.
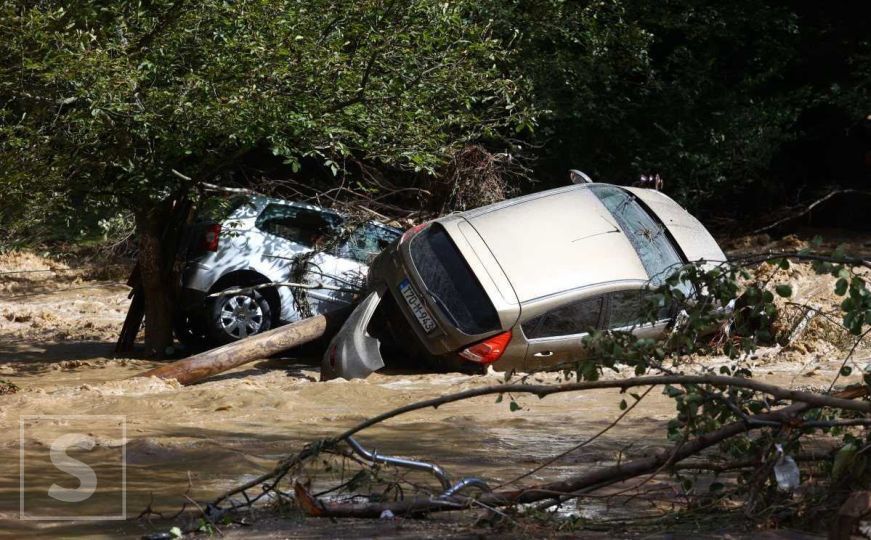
(557,240)
(261,201)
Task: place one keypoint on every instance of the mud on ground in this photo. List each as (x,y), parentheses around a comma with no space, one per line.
(57,330)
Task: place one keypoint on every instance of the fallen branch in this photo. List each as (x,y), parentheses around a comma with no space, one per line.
(818,400)
(809,208)
(290,284)
(577,485)
(561,490)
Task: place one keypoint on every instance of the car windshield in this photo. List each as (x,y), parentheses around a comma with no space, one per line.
(658,256)
(451,283)
(367,241)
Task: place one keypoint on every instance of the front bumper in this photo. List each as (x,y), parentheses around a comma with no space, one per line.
(353,353)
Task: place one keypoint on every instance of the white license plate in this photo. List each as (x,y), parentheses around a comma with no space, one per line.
(420,312)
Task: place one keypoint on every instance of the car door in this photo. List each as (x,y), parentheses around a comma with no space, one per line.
(555,337)
(625,310)
(288,231)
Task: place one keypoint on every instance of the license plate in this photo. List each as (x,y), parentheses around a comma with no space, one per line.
(420,312)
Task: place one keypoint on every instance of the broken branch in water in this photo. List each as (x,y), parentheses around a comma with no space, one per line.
(318,285)
(576,485)
(562,490)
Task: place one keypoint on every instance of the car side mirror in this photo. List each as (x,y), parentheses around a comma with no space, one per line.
(578,177)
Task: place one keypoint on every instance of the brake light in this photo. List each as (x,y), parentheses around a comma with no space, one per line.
(210,240)
(411,232)
(489,350)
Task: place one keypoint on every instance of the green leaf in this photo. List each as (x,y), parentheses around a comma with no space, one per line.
(514,406)
(623,405)
(841,287)
(783,290)
(843,461)
(846,371)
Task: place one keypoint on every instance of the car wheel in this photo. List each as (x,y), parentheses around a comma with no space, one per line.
(239,315)
(190,330)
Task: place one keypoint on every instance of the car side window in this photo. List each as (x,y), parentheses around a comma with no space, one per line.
(579,317)
(299,225)
(627,308)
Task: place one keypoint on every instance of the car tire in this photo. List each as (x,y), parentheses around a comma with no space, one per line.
(190,330)
(238,315)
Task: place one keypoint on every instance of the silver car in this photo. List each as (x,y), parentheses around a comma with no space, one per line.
(518,284)
(256,245)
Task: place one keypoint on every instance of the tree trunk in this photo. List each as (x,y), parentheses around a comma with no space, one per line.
(256,347)
(158,279)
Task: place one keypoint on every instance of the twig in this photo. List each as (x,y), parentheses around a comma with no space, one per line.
(203,512)
(577,446)
(847,358)
(810,207)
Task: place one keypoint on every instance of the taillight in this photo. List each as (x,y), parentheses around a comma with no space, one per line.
(489,350)
(210,240)
(411,232)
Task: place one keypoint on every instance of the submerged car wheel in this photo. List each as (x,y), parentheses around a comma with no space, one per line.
(190,330)
(237,316)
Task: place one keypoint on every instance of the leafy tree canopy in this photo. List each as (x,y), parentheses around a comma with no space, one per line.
(100,101)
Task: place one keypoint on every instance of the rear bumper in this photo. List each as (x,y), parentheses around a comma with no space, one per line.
(353,353)
(198,276)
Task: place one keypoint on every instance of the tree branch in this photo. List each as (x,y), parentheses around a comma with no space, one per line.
(809,208)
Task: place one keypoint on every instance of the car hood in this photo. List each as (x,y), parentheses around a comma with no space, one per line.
(693,238)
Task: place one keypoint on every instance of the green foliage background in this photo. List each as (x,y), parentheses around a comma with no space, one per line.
(99,101)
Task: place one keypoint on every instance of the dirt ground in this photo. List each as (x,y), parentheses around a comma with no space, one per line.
(58,324)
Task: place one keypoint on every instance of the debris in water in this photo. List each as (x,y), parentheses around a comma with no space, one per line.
(7,387)
(785,471)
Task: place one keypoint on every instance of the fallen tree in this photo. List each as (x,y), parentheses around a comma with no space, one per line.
(200,366)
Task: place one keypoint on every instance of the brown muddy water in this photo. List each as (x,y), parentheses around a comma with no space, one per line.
(56,338)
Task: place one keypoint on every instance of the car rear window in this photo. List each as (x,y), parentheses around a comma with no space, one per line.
(452,285)
(303,226)
(649,237)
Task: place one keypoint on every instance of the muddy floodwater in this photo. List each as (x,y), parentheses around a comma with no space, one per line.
(56,338)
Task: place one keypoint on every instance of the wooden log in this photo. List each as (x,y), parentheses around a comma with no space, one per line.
(198,367)
(135,314)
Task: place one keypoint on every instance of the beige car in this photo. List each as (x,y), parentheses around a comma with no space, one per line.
(518,284)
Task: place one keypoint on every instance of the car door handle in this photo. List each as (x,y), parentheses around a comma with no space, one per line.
(543,354)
